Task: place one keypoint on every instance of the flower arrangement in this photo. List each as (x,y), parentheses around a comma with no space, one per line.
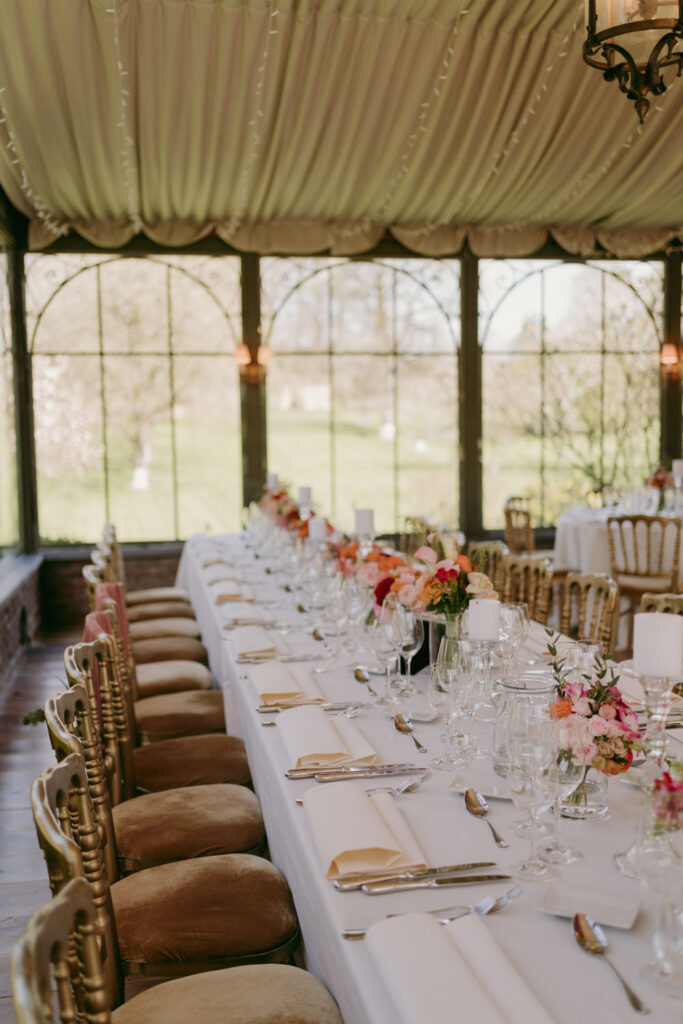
(445,585)
(660,478)
(599,728)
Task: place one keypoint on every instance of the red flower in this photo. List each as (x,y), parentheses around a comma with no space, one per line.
(445,575)
(382,589)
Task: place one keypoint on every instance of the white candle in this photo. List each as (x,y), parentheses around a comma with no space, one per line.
(658,645)
(317,529)
(484,616)
(271,481)
(305,496)
(677,469)
(365,522)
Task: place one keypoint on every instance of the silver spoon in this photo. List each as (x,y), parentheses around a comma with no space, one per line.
(404,725)
(592,939)
(481,909)
(476,805)
(362,677)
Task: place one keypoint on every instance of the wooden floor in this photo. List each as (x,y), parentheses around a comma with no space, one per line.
(24,753)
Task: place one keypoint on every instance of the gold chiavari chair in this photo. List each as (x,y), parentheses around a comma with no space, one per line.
(117,571)
(58,964)
(519,536)
(171,920)
(528,580)
(153,610)
(595,599)
(672,603)
(644,556)
(489,557)
(155,828)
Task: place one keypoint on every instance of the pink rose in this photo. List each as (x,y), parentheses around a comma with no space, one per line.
(597,726)
(369,574)
(584,753)
(426,555)
(409,593)
(608,712)
(480,586)
(573,690)
(583,707)
(613,728)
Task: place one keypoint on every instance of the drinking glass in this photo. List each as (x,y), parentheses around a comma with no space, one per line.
(385,641)
(447,685)
(559,781)
(412,638)
(531,750)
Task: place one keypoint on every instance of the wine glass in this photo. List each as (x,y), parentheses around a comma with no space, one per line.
(559,781)
(412,638)
(385,641)
(531,750)
(447,683)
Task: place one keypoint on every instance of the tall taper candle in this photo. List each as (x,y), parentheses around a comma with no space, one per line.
(658,645)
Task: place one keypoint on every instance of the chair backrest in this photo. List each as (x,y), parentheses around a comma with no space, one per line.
(70,841)
(57,960)
(529,581)
(672,603)
(489,557)
(111,549)
(93,576)
(644,548)
(519,536)
(71,728)
(414,535)
(595,598)
(117,734)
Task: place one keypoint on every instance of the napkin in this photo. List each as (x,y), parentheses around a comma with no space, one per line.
(356,832)
(632,690)
(537,640)
(230,590)
(276,682)
(209,562)
(239,611)
(255,641)
(313,739)
(430,970)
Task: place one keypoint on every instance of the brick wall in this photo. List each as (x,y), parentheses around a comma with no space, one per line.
(19,608)
(62,589)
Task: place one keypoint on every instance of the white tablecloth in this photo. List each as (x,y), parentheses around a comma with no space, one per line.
(573,986)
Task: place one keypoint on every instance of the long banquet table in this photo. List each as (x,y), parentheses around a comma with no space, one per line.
(571,985)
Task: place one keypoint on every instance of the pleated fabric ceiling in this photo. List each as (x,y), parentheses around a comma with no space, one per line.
(299,126)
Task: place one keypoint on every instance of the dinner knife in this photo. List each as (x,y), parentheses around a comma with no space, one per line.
(377,888)
(345,776)
(273,709)
(351,771)
(352,882)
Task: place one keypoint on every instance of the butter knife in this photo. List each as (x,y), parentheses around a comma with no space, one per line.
(360,878)
(273,709)
(345,776)
(377,888)
(350,771)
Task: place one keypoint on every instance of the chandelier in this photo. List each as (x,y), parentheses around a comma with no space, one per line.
(632,42)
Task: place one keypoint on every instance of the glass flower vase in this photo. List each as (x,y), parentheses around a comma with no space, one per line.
(588,802)
(441,625)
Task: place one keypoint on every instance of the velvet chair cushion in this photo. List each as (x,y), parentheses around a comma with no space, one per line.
(180,714)
(160,610)
(157,594)
(151,628)
(232,905)
(191,761)
(169,648)
(256,994)
(179,824)
(171,677)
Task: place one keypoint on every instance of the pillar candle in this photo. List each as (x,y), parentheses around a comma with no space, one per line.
(484,620)
(658,645)
(271,481)
(317,529)
(677,468)
(365,522)
(305,496)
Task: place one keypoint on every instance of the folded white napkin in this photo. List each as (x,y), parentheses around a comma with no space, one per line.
(215,560)
(537,640)
(275,682)
(440,974)
(239,611)
(632,690)
(255,641)
(356,832)
(227,590)
(311,739)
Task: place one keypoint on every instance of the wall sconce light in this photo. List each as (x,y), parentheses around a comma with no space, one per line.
(252,370)
(242,355)
(670,360)
(264,355)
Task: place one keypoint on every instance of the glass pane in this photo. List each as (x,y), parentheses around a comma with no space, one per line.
(134,306)
(428,439)
(61,304)
(208,445)
(139,447)
(299,425)
(69,449)
(205,304)
(294,304)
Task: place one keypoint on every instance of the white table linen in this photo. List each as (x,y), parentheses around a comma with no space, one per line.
(569,983)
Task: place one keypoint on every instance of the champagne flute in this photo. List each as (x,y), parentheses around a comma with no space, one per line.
(531,750)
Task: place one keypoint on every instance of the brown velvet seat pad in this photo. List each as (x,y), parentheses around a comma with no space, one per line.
(169,648)
(151,628)
(157,594)
(180,823)
(171,677)
(233,905)
(256,994)
(160,610)
(181,714)
(191,761)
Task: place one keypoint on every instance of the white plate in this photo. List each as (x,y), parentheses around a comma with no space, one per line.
(617,909)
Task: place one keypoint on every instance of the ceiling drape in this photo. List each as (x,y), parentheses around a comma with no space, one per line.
(300,126)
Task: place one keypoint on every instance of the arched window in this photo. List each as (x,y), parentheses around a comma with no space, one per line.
(570,380)
(136,400)
(363,385)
